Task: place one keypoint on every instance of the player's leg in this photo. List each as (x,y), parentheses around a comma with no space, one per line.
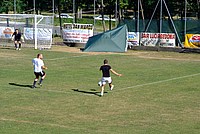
(20,44)
(103,82)
(110,83)
(111,86)
(43,75)
(102,89)
(15,42)
(36,79)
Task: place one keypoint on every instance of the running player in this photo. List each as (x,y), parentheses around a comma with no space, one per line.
(38,65)
(106,78)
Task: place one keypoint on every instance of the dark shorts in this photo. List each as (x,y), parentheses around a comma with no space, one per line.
(38,74)
(17,39)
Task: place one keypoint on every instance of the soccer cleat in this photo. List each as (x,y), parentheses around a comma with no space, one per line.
(16,48)
(40,84)
(33,87)
(101,94)
(112,87)
(19,49)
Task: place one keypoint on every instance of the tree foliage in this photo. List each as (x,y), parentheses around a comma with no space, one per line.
(10,6)
(176,7)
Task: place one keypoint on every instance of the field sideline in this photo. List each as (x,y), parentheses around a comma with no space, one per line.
(158,93)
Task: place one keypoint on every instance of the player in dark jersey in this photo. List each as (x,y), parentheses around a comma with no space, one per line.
(106,78)
(17,39)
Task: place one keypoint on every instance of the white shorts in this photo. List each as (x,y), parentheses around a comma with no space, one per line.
(104,80)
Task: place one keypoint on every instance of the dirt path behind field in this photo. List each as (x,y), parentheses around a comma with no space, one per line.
(157,55)
(140,54)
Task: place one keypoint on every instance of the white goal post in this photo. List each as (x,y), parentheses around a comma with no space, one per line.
(36,29)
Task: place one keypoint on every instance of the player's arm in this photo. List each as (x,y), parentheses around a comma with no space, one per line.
(44,67)
(115,72)
(13,34)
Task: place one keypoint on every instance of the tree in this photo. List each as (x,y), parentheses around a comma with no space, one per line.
(20,6)
(6,6)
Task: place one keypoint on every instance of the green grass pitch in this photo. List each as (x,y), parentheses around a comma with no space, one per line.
(159,93)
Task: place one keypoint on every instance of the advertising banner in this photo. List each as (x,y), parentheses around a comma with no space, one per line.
(133,38)
(77,33)
(158,39)
(192,40)
(42,33)
(6,32)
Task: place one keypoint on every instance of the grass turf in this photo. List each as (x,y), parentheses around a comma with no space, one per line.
(158,93)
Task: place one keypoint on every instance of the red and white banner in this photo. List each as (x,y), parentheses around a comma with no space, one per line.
(76,35)
(158,39)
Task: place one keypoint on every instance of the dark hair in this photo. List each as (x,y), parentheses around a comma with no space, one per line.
(38,55)
(105,61)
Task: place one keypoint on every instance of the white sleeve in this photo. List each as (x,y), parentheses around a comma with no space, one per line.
(33,62)
(41,63)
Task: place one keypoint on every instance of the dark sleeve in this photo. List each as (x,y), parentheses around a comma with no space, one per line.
(109,67)
(100,68)
(13,34)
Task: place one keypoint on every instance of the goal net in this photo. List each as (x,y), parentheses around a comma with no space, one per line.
(36,29)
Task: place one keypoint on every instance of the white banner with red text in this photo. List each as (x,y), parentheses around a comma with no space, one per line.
(158,39)
(76,35)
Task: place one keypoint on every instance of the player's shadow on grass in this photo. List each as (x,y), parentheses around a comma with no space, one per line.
(93,91)
(20,85)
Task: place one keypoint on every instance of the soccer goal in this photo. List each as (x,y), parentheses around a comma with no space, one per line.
(36,29)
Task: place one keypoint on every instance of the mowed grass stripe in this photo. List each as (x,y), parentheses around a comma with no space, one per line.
(166,100)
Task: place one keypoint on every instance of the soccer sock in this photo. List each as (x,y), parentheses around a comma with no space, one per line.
(41,81)
(15,45)
(20,45)
(101,93)
(102,90)
(110,85)
(34,83)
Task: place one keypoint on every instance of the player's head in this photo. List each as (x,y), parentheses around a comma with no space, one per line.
(105,61)
(40,56)
(16,30)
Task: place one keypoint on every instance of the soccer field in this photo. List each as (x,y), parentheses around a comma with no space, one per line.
(158,93)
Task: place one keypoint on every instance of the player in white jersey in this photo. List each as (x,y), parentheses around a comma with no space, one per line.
(38,65)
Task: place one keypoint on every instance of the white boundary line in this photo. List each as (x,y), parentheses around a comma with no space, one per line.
(141,85)
(54,59)
(60,58)
(156,82)
(77,56)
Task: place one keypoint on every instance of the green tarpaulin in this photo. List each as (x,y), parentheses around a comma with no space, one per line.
(109,41)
